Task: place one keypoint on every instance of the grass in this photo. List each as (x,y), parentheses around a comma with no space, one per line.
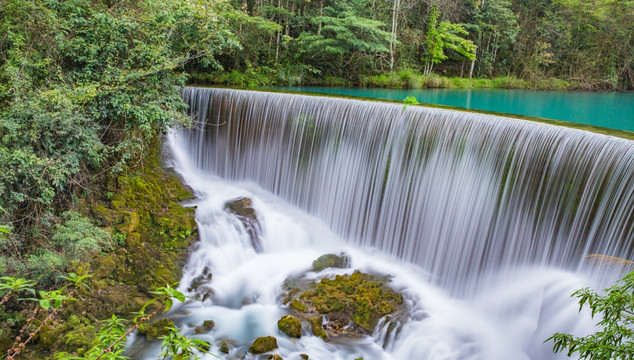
(408,79)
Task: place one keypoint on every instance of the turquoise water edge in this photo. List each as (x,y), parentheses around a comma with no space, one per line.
(611,110)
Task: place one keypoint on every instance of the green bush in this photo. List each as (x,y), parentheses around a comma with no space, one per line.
(78,236)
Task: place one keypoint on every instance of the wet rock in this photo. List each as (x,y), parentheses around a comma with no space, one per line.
(156,329)
(209,324)
(225,345)
(303,356)
(341,261)
(274,357)
(298,305)
(360,297)
(263,344)
(290,326)
(315,325)
(203,278)
(204,293)
(201,330)
(349,305)
(242,208)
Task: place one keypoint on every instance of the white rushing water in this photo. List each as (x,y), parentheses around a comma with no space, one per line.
(482,222)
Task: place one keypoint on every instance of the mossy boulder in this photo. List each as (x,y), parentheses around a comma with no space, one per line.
(156,329)
(359,296)
(325,261)
(298,305)
(274,357)
(263,344)
(346,305)
(290,326)
(75,334)
(315,326)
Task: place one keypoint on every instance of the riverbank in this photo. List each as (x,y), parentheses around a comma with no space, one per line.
(403,79)
(151,232)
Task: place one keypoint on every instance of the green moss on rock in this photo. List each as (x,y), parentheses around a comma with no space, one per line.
(263,344)
(359,296)
(156,329)
(315,326)
(298,305)
(290,326)
(331,261)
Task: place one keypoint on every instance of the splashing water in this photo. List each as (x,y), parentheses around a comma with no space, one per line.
(482,221)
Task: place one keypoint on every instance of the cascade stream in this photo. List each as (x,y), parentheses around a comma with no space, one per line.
(484,222)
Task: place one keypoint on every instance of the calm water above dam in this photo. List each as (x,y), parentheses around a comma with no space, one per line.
(611,110)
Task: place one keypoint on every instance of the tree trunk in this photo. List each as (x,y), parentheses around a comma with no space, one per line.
(472,65)
(321,13)
(277,41)
(395,10)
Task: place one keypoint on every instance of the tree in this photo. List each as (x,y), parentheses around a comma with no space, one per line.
(85,84)
(444,35)
(495,29)
(615,308)
(345,37)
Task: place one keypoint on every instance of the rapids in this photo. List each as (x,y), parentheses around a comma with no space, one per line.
(483,222)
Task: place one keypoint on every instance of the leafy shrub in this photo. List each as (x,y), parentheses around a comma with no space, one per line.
(78,236)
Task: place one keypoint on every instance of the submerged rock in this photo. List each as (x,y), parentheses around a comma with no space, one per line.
(225,345)
(209,324)
(244,211)
(341,261)
(263,344)
(156,329)
(290,326)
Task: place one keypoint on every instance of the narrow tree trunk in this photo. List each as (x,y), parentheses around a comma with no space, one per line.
(395,10)
(472,64)
(277,40)
(321,13)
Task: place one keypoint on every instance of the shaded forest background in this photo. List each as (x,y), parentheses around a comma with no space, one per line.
(587,43)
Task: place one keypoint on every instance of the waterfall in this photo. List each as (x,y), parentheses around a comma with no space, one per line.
(481,222)
(456,193)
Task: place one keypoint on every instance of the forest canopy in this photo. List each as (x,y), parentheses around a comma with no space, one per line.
(585,41)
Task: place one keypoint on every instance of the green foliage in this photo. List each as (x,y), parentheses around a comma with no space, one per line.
(51,299)
(78,236)
(494,29)
(83,85)
(615,309)
(584,43)
(444,35)
(180,347)
(10,285)
(410,100)
(343,34)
